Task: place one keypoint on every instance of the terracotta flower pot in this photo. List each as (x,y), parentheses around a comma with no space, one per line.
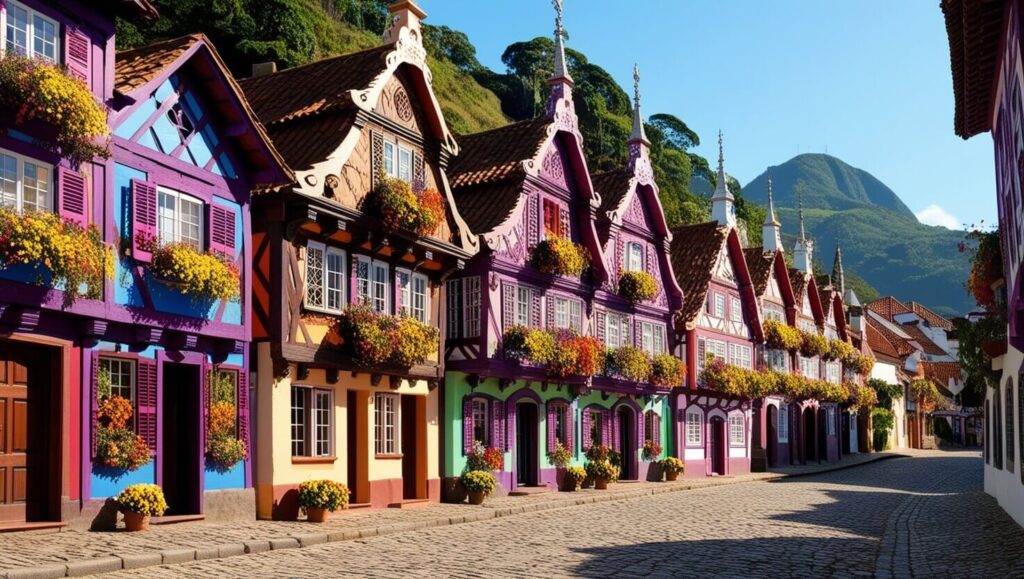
(671,476)
(136,521)
(476,497)
(600,483)
(316,515)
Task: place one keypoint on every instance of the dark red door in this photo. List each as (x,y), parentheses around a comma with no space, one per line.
(14,436)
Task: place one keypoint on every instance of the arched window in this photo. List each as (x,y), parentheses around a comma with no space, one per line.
(997,428)
(1011,440)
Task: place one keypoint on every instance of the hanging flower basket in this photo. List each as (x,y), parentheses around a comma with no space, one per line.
(400,206)
(576,355)
(637,286)
(201,275)
(667,371)
(629,363)
(117,445)
(560,256)
(780,336)
(812,344)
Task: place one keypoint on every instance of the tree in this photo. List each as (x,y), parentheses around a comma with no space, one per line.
(444,43)
(676,134)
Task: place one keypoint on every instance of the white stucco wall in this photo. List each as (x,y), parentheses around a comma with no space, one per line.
(1007,486)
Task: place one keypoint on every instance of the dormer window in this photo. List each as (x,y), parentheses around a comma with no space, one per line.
(556,220)
(397,161)
(30,34)
(634,257)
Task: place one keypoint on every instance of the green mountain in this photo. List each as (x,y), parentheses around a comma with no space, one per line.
(882,240)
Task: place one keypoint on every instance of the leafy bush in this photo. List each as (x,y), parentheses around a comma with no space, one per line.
(862,396)
(144,499)
(630,363)
(74,256)
(667,371)
(202,275)
(637,286)
(323,494)
(672,464)
(36,89)
(479,481)
(986,267)
(925,393)
(561,456)
(560,256)
(780,336)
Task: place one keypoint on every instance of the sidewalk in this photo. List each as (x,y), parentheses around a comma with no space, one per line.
(76,553)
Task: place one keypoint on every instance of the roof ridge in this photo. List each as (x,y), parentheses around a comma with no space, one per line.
(502,127)
(322,61)
(194,36)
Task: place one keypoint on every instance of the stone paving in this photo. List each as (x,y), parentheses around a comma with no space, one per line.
(825,524)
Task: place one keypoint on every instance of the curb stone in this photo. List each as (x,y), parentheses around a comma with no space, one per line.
(177,556)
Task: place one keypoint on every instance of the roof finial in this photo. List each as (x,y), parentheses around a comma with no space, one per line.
(636,85)
(638,135)
(721,153)
(800,212)
(561,70)
(722,209)
(769,215)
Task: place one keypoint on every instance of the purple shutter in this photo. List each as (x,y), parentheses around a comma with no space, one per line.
(638,334)
(222,229)
(620,253)
(146,416)
(535,321)
(467,424)
(76,53)
(72,195)
(599,318)
(552,434)
(570,427)
(243,408)
(207,395)
(95,401)
(616,432)
(143,219)
(587,439)
(508,305)
(376,157)
(606,428)
(551,312)
(563,221)
(397,291)
(498,424)
(656,427)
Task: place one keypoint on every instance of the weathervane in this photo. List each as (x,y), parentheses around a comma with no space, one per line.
(558,17)
(636,85)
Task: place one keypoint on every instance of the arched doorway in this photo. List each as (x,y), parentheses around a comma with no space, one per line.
(526,444)
(627,443)
(718,441)
(809,446)
(773,435)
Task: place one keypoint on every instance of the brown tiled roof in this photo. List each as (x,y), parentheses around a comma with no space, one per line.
(134,68)
(613,186)
(315,87)
(309,140)
(486,206)
(825,294)
(759,263)
(799,282)
(694,251)
(933,319)
(888,307)
(942,372)
(879,345)
(927,345)
(898,343)
(974,29)
(497,154)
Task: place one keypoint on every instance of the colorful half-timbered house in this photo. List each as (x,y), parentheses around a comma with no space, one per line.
(339,275)
(719,319)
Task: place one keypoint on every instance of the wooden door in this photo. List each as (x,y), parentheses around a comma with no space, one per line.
(14,436)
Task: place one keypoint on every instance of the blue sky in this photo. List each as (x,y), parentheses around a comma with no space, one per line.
(866,80)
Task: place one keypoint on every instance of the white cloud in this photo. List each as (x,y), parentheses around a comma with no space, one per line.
(935,215)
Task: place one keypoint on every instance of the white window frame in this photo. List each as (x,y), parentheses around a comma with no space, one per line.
(367,287)
(777,360)
(481,413)
(597,427)
(616,330)
(180,198)
(311,442)
(740,356)
(30,32)
(560,412)
(561,312)
(576,315)
(832,372)
(394,155)
(737,430)
(325,254)
(773,311)
(783,428)
(420,295)
(116,387)
(719,305)
(403,279)
(652,338)
(20,161)
(810,367)
(634,256)
(694,427)
(524,299)
(386,424)
(735,309)
(471,316)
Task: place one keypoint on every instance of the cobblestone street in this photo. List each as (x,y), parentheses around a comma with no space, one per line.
(921,516)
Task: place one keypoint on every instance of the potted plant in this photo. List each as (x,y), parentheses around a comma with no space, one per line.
(651,451)
(672,467)
(602,472)
(573,478)
(139,502)
(479,484)
(560,458)
(637,286)
(485,458)
(318,497)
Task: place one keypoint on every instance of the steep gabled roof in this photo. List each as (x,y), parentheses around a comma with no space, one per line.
(695,248)
(933,319)
(942,372)
(897,343)
(879,344)
(888,307)
(974,29)
(759,262)
(498,154)
(927,345)
(613,187)
(142,67)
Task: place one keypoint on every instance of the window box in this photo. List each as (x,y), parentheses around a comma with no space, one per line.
(564,353)
(205,276)
(383,340)
(560,256)
(314,459)
(780,336)
(400,206)
(637,286)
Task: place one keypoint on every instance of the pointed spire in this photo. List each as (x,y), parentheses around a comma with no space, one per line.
(638,134)
(838,278)
(561,72)
(803,252)
(771,236)
(722,209)
(800,212)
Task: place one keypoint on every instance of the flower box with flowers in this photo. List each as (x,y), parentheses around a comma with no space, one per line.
(380,340)
(403,206)
(780,336)
(560,256)
(637,286)
(203,276)
(563,353)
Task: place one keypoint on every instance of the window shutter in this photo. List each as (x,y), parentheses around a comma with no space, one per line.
(72,196)
(418,174)
(76,53)
(656,427)
(533,208)
(620,256)
(638,334)
(551,312)
(95,402)
(454,307)
(616,432)
(146,406)
(206,386)
(587,440)
(498,424)
(599,321)
(143,219)
(396,297)
(535,321)
(606,428)
(243,408)
(222,229)
(563,222)
(508,305)
(467,425)
(551,426)
(376,158)
(570,427)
